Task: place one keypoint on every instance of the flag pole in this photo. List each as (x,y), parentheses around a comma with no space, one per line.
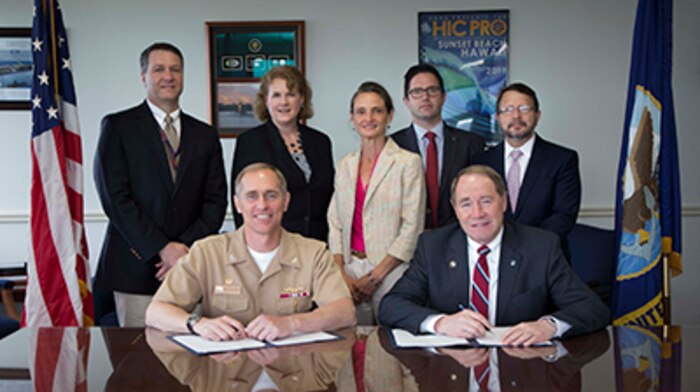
(666,288)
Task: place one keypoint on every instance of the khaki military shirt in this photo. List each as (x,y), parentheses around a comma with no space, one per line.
(219,272)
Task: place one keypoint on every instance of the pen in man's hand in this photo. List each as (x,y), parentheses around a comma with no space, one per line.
(462,307)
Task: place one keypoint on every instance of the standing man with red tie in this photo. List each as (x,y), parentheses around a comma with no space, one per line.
(160,177)
(445,150)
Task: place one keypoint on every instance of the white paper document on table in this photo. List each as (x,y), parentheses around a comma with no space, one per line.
(493,338)
(200,345)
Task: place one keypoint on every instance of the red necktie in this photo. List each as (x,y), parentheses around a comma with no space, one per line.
(479,302)
(431,176)
(358,361)
(479,299)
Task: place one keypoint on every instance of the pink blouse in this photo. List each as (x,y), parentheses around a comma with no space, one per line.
(357,237)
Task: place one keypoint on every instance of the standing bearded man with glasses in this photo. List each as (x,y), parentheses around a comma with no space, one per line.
(444,150)
(543,180)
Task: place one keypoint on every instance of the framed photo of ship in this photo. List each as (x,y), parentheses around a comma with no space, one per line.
(15,68)
(240,53)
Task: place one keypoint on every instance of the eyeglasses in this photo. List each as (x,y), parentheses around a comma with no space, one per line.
(510,109)
(433,91)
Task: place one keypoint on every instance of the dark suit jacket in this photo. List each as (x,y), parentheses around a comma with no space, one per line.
(534,280)
(145,209)
(307,210)
(460,147)
(550,195)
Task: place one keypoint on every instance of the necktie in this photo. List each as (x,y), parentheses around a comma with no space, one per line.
(172,144)
(358,361)
(479,302)
(431,176)
(513,178)
(479,299)
(171,133)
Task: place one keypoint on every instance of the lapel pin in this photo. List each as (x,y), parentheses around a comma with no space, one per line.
(228,281)
(453,264)
(513,263)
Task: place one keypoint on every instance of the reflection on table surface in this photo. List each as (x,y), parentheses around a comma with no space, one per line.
(113,359)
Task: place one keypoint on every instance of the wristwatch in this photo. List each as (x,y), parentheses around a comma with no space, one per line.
(552,321)
(191,321)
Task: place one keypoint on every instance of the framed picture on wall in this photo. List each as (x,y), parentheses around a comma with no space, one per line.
(15,68)
(240,53)
(470,50)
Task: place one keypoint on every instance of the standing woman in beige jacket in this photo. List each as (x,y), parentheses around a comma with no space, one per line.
(378,207)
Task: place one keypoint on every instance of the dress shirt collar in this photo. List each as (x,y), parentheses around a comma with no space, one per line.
(493,245)
(159,115)
(438,131)
(526,148)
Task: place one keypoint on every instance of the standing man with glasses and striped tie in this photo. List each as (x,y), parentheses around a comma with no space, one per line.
(160,177)
(445,150)
(544,184)
(466,278)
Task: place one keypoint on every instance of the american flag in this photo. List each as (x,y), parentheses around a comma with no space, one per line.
(60,359)
(59,292)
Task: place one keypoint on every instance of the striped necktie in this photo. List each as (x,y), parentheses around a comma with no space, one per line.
(479,302)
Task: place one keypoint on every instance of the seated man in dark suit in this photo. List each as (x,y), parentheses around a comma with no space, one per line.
(544,184)
(466,278)
(444,150)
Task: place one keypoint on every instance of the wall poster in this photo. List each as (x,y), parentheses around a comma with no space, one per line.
(470,50)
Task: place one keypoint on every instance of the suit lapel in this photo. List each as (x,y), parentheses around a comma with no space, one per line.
(312,153)
(407,139)
(496,160)
(535,168)
(352,167)
(187,147)
(458,268)
(150,131)
(509,267)
(385,162)
(448,157)
(294,173)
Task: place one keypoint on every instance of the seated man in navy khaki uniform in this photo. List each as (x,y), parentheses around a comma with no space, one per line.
(259,281)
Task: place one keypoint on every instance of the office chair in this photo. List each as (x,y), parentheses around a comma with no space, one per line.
(593,258)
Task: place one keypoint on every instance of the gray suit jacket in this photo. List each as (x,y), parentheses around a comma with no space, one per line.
(534,280)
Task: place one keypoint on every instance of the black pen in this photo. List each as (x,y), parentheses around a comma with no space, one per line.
(462,307)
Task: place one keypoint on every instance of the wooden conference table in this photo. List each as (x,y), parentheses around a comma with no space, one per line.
(113,359)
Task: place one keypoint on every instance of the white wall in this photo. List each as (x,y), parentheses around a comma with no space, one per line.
(575,53)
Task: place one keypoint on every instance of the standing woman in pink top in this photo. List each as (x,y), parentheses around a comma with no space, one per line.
(378,207)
